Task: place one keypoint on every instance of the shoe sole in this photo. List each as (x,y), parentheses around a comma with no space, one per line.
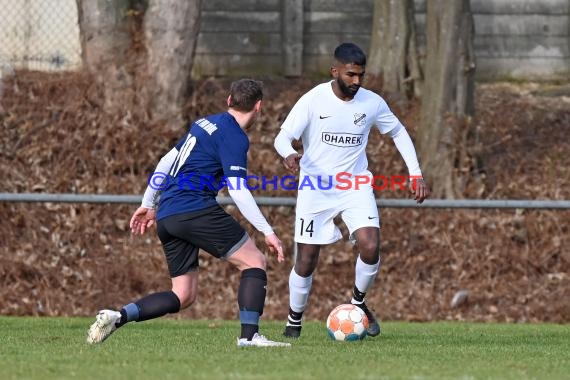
(266,344)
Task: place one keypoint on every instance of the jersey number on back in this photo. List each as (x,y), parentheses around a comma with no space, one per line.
(183,154)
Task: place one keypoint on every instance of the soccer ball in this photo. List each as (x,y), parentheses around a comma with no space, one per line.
(347,322)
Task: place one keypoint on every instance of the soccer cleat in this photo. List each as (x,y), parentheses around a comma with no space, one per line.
(373,325)
(292,331)
(103,326)
(260,341)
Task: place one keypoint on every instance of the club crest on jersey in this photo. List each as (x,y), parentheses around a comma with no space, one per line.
(342,139)
(359,119)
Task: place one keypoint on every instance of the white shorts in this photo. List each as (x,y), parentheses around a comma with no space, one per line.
(316,210)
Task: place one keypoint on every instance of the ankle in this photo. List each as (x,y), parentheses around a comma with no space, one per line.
(294,318)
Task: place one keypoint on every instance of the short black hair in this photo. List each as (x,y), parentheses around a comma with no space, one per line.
(244,93)
(350,53)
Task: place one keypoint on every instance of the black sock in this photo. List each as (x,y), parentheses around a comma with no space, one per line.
(248,331)
(294,318)
(251,299)
(357,295)
(149,307)
(124,318)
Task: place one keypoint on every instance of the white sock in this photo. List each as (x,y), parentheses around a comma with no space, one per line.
(299,289)
(364,275)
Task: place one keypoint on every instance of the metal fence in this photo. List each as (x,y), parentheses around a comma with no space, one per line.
(39,35)
(289,201)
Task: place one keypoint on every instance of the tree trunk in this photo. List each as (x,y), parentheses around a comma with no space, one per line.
(447,105)
(171,30)
(105,40)
(393,54)
(141,53)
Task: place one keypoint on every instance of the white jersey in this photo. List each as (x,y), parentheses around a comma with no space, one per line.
(335,132)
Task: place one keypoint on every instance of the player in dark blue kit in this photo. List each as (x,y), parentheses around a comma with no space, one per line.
(188,218)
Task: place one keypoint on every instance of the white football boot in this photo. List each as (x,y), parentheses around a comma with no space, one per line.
(260,341)
(103,326)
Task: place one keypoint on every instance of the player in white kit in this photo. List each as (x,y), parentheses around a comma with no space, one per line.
(333,121)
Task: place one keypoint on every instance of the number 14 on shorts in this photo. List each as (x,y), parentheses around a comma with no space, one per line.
(306,228)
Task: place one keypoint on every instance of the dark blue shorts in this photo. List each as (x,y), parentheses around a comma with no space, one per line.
(212,230)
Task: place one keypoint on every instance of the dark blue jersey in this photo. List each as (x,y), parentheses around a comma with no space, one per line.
(214,148)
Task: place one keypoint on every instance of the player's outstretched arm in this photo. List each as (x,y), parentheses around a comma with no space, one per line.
(144,217)
(405,146)
(156,179)
(237,188)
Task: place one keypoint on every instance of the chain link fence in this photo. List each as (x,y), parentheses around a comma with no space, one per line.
(39,35)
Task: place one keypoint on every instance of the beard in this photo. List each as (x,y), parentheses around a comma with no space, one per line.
(348,91)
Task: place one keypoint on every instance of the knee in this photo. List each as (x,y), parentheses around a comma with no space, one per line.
(262,262)
(305,266)
(186,297)
(254,261)
(248,256)
(259,261)
(369,251)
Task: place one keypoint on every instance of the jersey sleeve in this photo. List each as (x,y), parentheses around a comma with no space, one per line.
(181,142)
(385,119)
(233,155)
(299,117)
(237,187)
(150,196)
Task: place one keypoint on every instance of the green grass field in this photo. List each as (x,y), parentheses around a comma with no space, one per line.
(55,348)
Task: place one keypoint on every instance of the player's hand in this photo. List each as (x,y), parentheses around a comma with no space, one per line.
(419,189)
(142,219)
(275,245)
(291,163)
